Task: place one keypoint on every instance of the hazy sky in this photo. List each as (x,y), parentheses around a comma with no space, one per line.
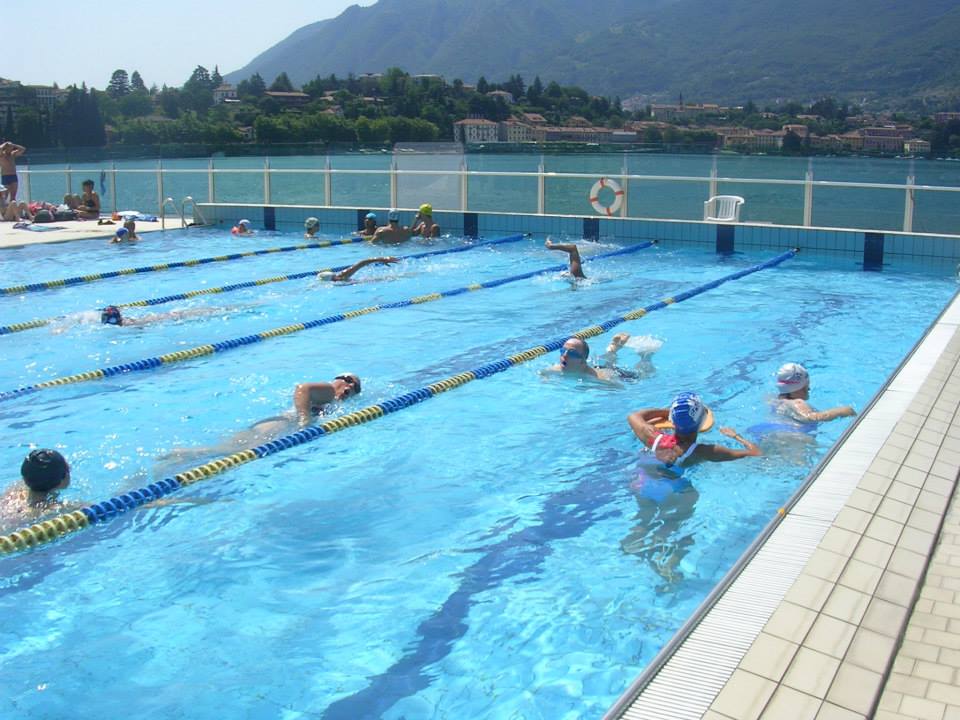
(56,41)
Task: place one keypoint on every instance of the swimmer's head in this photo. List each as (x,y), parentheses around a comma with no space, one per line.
(791,378)
(426,209)
(122,233)
(87,185)
(686,413)
(393,216)
(371,216)
(244,224)
(311,223)
(45,470)
(110,315)
(574,352)
(349,385)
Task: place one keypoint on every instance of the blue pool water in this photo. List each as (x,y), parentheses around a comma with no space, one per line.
(478,555)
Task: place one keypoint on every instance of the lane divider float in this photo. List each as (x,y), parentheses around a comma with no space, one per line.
(31,324)
(225,345)
(49,530)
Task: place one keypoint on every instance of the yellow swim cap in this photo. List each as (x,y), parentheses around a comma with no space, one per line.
(426,209)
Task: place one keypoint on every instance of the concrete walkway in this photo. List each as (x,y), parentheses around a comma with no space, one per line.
(74,230)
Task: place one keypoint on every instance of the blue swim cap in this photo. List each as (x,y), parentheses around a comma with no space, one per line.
(371,216)
(122,232)
(686,412)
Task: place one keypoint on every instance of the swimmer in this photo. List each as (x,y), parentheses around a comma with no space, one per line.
(392,233)
(346,274)
(242,229)
(9,152)
(310,401)
(123,235)
(793,387)
(423,224)
(111,315)
(130,225)
(369,225)
(576,268)
(44,474)
(681,449)
(312,226)
(573,363)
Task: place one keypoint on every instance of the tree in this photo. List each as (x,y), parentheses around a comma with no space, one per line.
(169,99)
(136,82)
(483,87)
(535,91)
(119,84)
(136,104)
(200,77)
(282,84)
(792,144)
(255,87)
(216,79)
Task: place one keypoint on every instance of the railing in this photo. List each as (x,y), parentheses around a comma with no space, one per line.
(163,212)
(554,192)
(188,200)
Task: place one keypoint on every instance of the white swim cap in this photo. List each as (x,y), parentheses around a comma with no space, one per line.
(311,222)
(792,377)
(244,223)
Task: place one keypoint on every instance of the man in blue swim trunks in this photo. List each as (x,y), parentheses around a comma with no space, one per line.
(9,152)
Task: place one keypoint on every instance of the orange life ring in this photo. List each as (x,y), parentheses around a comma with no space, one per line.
(594,197)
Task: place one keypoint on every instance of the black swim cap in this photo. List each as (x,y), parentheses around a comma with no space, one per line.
(43,470)
(110,315)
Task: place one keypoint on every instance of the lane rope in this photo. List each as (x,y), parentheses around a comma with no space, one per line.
(32,324)
(49,530)
(225,345)
(162,267)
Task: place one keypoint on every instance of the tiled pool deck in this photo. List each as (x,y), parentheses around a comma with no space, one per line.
(851,609)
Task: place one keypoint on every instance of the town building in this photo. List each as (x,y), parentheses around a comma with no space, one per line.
(502,94)
(223,93)
(475,131)
(513,131)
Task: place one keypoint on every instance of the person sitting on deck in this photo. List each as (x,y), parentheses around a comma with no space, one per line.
(89,205)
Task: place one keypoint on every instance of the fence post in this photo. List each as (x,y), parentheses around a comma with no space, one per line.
(808,196)
(327,184)
(211,183)
(266,181)
(541,189)
(394,194)
(69,178)
(626,187)
(713,179)
(113,184)
(463,185)
(908,204)
(26,182)
(160,186)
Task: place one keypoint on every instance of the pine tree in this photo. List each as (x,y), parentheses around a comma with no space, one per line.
(282,84)
(216,79)
(136,82)
(119,84)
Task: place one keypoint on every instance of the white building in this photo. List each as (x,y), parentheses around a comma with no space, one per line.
(475,131)
(223,93)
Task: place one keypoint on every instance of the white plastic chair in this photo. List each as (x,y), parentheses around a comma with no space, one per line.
(723,208)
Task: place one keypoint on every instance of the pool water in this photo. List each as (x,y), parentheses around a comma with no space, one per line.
(478,555)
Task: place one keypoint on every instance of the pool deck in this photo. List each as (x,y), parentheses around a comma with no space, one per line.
(851,607)
(74,230)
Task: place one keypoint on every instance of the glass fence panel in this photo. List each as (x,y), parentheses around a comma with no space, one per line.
(44,186)
(361,190)
(502,194)
(287,188)
(936,212)
(667,199)
(135,191)
(777,204)
(571,196)
(239,187)
(180,184)
(867,208)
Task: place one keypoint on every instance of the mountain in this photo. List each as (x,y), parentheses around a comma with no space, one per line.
(711,50)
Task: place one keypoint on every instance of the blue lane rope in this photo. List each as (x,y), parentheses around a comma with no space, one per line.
(95,277)
(225,345)
(31,324)
(50,530)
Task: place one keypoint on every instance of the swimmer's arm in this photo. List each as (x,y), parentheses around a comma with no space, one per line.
(14,149)
(310,395)
(804,413)
(348,273)
(642,423)
(719,453)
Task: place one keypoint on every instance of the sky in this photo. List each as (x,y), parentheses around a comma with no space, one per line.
(164,41)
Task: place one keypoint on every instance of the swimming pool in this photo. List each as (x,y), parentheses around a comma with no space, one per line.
(479,555)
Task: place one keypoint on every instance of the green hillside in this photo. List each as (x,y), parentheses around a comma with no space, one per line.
(729,50)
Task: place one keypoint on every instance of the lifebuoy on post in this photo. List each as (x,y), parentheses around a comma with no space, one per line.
(595,196)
